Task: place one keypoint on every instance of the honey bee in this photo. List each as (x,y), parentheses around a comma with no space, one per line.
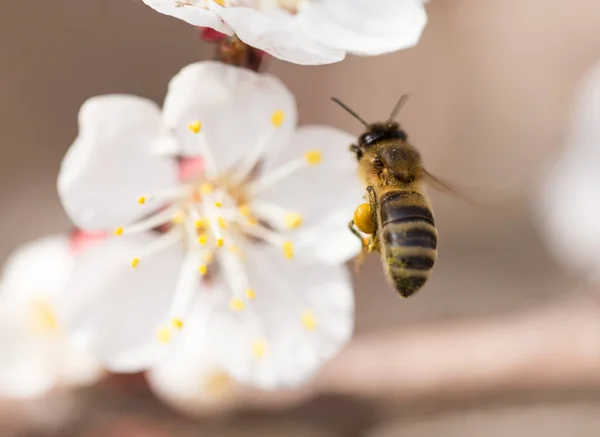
(398,216)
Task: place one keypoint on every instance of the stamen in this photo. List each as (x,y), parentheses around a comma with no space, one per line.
(159,244)
(220,242)
(195,127)
(200,223)
(218,204)
(177,323)
(203,269)
(258,150)
(277,118)
(292,220)
(163,335)
(119,231)
(142,200)
(313,157)
(250,294)
(288,249)
(236,304)
(259,348)
(144,225)
(206,188)
(220,2)
(203,239)
(222,222)
(178,218)
(309,320)
(278,175)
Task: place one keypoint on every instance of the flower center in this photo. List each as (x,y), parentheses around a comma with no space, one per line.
(214,215)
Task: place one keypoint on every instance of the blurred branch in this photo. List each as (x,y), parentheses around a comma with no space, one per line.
(544,349)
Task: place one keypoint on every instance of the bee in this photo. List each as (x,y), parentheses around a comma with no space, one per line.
(398,216)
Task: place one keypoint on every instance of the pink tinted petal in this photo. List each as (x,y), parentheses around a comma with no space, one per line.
(190,168)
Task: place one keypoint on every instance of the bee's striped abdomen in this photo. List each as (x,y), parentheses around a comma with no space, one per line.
(408,239)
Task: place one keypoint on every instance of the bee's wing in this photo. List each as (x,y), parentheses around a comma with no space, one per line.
(444,187)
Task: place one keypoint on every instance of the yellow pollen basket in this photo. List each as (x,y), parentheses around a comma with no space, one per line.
(236,304)
(313,157)
(363,218)
(309,320)
(195,127)
(259,348)
(277,118)
(292,220)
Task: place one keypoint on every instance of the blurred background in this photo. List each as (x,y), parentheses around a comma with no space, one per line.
(491,86)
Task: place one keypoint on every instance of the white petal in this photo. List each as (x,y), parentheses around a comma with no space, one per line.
(284,290)
(26,366)
(276,32)
(37,270)
(115,309)
(364,27)
(573,229)
(191,11)
(325,195)
(190,378)
(111,164)
(78,366)
(234,105)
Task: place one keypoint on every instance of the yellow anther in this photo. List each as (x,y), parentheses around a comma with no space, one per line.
(200,223)
(220,242)
(288,249)
(313,157)
(119,231)
(203,269)
(250,294)
(142,200)
(292,220)
(195,127)
(177,323)
(218,204)
(163,335)
(206,188)
(236,304)
(135,262)
(178,218)
(277,118)
(220,2)
(202,239)
(309,320)
(222,222)
(42,316)
(259,347)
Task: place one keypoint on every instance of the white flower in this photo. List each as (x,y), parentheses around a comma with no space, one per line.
(35,355)
(569,201)
(308,31)
(263,227)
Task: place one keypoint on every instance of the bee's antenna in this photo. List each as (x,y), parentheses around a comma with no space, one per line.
(401,101)
(350,111)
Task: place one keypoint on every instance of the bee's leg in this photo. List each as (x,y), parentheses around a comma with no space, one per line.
(366,244)
(374,243)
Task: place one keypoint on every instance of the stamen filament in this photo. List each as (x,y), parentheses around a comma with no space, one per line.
(278,175)
(159,244)
(144,225)
(255,154)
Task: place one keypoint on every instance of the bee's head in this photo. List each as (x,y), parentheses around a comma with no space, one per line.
(378,132)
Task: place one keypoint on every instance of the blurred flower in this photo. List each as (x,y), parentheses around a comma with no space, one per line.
(569,200)
(35,355)
(308,31)
(260,226)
